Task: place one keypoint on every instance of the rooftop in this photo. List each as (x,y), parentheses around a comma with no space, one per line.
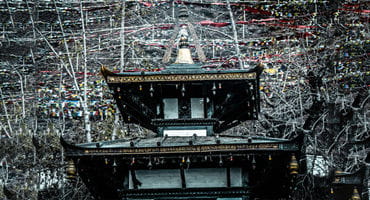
(181,141)
(182,145)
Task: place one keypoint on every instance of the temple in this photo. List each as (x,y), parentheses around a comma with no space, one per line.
(349,185)
(189,107)
(355,185)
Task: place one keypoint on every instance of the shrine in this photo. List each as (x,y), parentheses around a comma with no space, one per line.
(354,186)
(349,185)
(189,107)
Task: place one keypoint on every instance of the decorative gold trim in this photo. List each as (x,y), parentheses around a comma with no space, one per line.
(105,71)
(184,149)
(180,77)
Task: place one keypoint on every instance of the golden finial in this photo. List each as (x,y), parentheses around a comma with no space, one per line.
(71,170)
(293,165)
(355,195)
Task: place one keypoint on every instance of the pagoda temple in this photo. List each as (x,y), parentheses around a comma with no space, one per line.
(353,185)
(189,108)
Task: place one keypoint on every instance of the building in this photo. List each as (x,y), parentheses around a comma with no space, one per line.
(353,185)
(189,107)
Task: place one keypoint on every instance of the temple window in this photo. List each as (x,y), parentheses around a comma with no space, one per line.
(175,108)
(171,108)
(197,107)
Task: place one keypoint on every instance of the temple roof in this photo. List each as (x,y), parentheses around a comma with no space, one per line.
(347,178)
(181,72)
(194,144)
(140,96)
(181,141)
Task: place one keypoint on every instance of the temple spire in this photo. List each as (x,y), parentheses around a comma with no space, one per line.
(184,53)
(181,29)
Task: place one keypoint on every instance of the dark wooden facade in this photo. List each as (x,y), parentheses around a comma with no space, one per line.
(187,167)
(188,107)
(206,99)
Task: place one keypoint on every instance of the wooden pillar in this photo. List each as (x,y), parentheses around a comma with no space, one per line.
(228,178)
(182,174)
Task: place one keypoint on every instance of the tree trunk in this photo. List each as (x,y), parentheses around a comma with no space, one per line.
(122,37)
(235,34)
(85,99)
